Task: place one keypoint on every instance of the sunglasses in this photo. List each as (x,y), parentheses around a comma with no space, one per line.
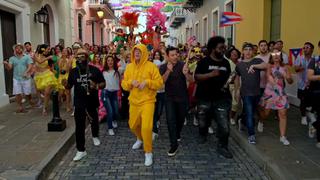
(81,57)
(276,54)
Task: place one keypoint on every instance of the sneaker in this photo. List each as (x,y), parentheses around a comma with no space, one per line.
(312,131)
(114,124)
(172,152)
(304,120)
(260,127)
(72,114)
(318,145)
(137,144)
(154,136)
(110,132)
(252,139)
(284,141)
(311,116)
(79,155)
(224,152)
(148,159)
(210,130)
(195,121)
(23,100)
(179,139)
(96,141)
(232,122)
(185,122)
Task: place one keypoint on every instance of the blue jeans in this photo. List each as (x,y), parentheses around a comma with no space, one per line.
(110,102)
(250,104)
(158,110)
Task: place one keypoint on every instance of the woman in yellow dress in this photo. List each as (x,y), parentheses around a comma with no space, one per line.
(64,67)
(44,78)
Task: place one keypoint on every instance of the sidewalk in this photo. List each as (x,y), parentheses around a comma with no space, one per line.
(300,160)
(27,149)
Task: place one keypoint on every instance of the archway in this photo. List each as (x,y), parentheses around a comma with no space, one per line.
(49,36)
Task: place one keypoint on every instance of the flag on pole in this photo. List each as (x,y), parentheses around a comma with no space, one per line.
(293,54)
(229,18)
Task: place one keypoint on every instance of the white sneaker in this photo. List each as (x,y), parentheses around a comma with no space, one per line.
(284,141)
(137,144)
(195,121)
(185,122)
(154,136)
(148,159)
(318,145)
(96,141)
(114,124)
(23,100)
(72,114)
(311,117)
(304,120)
(232,122)
(111,132)
(79,155)
(260,127)
(312,131)
(210,130)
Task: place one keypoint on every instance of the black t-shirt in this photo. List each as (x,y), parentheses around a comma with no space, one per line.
(250,82)
(83,95)
(212,89)
(315,65)
(176,84)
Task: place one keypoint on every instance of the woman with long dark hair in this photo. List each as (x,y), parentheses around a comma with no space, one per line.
(109,95)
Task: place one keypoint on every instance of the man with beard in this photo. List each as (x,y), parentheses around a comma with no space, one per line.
(87,80)
(211,75)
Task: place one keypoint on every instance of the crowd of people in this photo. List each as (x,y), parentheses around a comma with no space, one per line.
(191,82)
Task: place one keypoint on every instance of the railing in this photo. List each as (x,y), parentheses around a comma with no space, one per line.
(179,12)
(98,2)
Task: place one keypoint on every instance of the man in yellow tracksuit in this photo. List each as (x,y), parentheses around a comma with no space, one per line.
(142,79)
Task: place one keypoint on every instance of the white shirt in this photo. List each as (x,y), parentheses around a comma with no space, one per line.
(112,80)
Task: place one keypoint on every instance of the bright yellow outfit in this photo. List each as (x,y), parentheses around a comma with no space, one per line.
(142,102)
(45,78)
(63,76)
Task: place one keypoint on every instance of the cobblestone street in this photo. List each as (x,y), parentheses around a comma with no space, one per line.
(115,159)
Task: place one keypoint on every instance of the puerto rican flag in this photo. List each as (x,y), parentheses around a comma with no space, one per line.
(229,18)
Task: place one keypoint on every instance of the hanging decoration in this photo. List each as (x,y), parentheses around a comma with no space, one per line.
(129,19)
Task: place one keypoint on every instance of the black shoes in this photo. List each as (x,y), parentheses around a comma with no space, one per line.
(224,152)
(173,150)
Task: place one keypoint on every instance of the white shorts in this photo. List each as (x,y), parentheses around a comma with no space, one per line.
(22,87)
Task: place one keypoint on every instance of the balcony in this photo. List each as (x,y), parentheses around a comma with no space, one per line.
(192,5)
(177,17)
(104,6)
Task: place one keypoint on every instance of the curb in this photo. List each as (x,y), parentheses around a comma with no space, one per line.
(53,158)
(266,163)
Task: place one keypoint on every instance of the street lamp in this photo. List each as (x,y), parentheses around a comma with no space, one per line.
(41,16)
(100,13)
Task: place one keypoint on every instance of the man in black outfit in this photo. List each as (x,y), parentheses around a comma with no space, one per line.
(86,81)
(214,100)
(175,74)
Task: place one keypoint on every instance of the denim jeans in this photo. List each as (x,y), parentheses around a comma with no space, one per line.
(158,110)
(110,102)
(250,104)
(220,112)
(175,114)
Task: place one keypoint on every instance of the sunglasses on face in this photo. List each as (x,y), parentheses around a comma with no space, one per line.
(276,54)
(247,49)
(81,57)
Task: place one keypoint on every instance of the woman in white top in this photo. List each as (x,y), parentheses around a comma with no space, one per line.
(109,95)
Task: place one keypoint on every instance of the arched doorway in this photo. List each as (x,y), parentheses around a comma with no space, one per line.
(49,27)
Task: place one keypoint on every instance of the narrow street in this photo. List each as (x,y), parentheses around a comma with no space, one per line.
(114,159)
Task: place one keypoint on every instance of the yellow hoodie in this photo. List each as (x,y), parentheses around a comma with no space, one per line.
(144,71)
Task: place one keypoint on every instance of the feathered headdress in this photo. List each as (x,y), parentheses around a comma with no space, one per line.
(129,19)
(156,18)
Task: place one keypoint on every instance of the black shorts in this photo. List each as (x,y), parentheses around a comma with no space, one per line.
(304,96)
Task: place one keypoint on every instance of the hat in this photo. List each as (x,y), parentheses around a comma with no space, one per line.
(18,44)
(76,46)
(247,45)
(82,51)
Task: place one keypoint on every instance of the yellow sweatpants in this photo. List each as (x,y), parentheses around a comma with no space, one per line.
(141,124)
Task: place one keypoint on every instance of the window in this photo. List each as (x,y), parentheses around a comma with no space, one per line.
(80,18)
(215,24)
(46,29)
(229,29)
(275,19)
(205,30)
(197,32)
